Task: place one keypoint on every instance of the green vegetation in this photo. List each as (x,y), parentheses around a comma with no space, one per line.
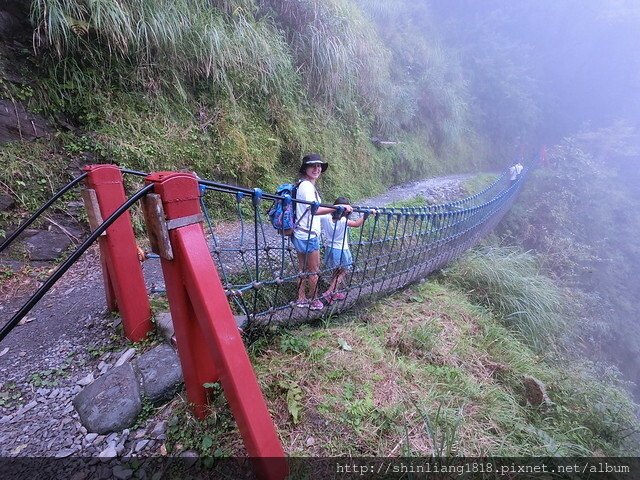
(45,378)
(508,281)
(51,377)
(146,412)
(426,372)
(237,92)
(159,303)
(10,395)
(416,201)
(31,173)
(151,340)
(478,183)
(215,436)
(116,343)
(161,46)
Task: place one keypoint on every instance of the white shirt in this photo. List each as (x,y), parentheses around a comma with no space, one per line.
(515,170)
(306,191)
(334,233)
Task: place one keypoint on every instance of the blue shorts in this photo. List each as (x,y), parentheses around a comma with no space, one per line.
(336,257)
(305,246)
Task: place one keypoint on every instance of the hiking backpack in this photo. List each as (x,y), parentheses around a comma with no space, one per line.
(282,213)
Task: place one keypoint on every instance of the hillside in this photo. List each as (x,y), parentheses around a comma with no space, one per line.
(425,372)
(577,213)
(239,90)
(230,93)
(526,347)
(443,368)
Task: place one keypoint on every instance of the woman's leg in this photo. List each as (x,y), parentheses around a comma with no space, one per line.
(302,281)
(313,267)
(332,284)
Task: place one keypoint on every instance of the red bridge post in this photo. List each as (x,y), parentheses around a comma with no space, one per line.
(209,342)
(123,280)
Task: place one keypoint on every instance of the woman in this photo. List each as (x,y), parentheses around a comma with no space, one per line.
(306,235)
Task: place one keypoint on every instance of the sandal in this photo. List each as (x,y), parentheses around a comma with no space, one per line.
(316,305)
(339,296)
(302,303)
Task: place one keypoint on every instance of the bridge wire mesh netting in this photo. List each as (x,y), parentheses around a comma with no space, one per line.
(258,266)
(395,246)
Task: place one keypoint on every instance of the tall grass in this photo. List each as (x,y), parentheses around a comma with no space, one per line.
(434,93)
(308,74)
(507,280)
(337,50)
(181,41)
(298,62)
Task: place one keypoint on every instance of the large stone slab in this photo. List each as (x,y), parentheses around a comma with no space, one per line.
(46,245)
(111,403)
(161,373)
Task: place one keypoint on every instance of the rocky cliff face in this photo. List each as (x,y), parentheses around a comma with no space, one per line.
(16,123)
(14,19)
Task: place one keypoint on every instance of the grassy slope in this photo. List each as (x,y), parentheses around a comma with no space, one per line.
(232,144)
(244,113)
(577,213)
(423,372)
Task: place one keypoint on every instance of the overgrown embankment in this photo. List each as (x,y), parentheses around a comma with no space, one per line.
(429,371)
(236,91)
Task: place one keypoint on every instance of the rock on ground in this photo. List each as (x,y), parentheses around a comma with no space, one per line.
(111,403)
(161,373)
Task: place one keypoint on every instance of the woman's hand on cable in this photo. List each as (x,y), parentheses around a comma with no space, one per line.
(348,209)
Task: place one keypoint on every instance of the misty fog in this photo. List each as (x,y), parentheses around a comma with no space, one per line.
(580,64)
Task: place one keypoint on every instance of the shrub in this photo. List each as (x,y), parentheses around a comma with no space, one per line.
(508,281)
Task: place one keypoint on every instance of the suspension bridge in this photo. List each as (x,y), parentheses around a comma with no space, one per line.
(223,282)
